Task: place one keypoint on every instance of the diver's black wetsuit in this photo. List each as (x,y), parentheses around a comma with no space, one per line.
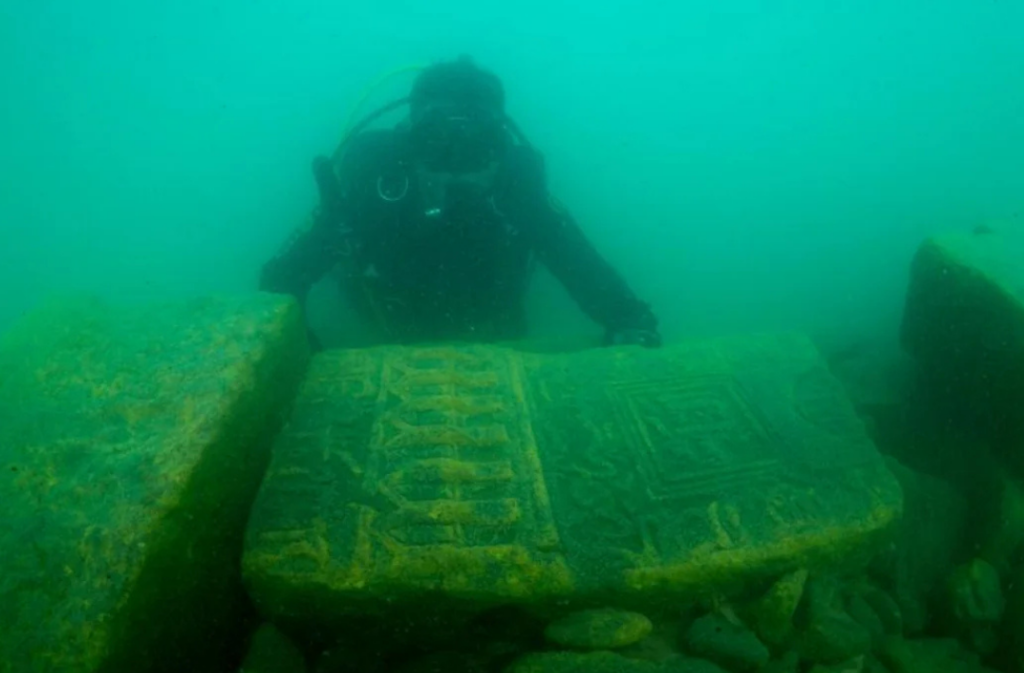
(457,270)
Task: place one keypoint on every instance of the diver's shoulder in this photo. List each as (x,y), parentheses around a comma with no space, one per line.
(520,151)
(523,161)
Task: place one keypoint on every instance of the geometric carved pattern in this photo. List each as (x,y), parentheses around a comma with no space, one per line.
(442,452)
(452,444)
(494,476)
(712,444)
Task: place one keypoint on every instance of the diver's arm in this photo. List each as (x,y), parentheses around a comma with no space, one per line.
(595,285)
(311,253)
(591,281)
(301,263)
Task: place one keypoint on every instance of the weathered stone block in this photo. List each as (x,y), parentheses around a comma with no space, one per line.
(132,443)
(413,478)
(603,629)
(964,323)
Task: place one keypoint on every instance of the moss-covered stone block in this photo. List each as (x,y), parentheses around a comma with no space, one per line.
(884,607)
(828,634)
(772,615)
(964,323)
(862,613)
(420,478)
(973,605)
(132,443)
(604,629)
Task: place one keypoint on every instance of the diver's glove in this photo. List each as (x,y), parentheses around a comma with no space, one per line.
(648,338)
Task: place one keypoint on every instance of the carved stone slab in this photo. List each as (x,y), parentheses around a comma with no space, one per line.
(486,476)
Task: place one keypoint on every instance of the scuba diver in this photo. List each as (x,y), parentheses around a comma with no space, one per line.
(436,223)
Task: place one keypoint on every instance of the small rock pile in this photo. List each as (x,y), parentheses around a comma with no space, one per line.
(939,598)
(801,623)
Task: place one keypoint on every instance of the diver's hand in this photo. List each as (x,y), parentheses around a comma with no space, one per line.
(633,337)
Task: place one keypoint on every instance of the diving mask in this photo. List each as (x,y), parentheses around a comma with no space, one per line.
(457,139)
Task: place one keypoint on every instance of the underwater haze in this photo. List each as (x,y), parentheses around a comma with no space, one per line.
(745,165)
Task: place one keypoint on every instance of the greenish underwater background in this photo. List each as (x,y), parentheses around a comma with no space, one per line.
(746,165)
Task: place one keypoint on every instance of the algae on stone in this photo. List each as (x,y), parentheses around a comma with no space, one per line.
(883,606)
(604,629)
(828,635)
(132,442)
(773,613)
(862,613)
(418,479)
(974,605)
